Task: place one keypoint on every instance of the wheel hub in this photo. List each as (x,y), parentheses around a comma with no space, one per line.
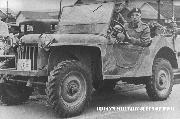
(72,88)
(163,78)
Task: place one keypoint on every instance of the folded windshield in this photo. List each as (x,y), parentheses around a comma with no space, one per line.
(87,14)
(91,1)
(90,18)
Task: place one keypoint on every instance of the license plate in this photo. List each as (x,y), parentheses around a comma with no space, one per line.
(24,64)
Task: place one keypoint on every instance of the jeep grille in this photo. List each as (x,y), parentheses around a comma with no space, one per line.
(29,52)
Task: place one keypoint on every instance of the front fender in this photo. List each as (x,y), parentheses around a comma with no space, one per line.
(87,40)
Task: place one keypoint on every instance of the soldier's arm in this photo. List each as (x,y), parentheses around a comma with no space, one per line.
(144,39)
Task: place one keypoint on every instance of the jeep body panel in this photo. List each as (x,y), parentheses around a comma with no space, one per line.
(143,64)
(61,40)
(108,53)
(89,40)
(158,43)
(79,39)
(67,39)
(177,48)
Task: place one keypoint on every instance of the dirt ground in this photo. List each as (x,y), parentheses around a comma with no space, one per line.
(130,96)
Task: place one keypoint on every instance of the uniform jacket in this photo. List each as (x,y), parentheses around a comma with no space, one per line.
(139,33)
(4,29)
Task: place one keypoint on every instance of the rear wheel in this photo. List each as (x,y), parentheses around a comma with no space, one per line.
(69,88)
(159,87)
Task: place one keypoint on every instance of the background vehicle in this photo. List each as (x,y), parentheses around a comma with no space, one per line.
(83,55)
(38,26)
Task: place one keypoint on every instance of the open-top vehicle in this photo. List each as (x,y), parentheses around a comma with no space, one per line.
(84,55)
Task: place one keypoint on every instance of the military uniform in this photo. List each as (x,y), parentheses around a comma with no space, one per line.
(6,48)
(139,34)
(4,29)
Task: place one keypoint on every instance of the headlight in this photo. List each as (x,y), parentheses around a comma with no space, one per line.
(47,42)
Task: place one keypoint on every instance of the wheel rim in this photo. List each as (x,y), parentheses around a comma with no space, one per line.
(73,88)
(163,80)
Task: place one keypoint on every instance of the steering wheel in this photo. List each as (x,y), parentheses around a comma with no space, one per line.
(122,30)
(120,25)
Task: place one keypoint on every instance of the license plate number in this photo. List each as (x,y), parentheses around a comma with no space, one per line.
(24,64)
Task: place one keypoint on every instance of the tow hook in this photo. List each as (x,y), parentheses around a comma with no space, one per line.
(29,82)
(2,79)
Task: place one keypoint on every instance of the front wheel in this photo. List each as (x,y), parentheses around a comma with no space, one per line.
(159,87)
(69,88)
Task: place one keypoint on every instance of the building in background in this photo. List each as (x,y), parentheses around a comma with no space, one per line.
(149,11)
(33,15)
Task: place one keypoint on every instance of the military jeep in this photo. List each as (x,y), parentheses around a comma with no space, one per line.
(84,55)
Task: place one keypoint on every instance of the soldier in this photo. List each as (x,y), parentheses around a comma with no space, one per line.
(137,32)
(4,32)
(6,48)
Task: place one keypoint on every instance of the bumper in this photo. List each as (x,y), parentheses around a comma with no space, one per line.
(23,73)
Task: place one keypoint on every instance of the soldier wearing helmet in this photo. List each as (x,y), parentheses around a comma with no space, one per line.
(138,33)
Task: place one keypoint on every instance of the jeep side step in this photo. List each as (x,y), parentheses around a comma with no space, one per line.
(15,72)
(176,76)
(176,71)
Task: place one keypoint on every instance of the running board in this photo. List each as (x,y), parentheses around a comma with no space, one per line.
(176,71)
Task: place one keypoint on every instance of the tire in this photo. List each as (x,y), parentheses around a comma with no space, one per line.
(40,90)
(13,94)
(69,88)
(159,87)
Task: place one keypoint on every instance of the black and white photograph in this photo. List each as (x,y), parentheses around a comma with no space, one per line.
(89,59)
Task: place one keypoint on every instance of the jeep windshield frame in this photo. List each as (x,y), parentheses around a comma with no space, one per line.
(86,18)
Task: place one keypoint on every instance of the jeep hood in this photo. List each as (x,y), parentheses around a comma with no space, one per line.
(79,39)
(65,39)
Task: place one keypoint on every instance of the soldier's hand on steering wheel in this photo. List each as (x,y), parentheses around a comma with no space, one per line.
(123,31)
(120,38)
